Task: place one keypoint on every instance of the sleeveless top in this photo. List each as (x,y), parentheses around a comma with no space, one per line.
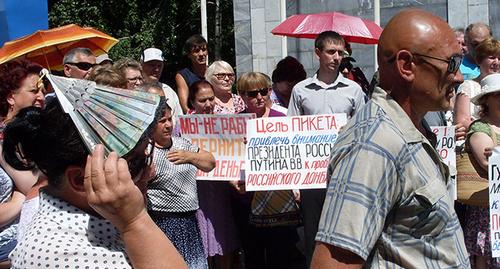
(189,76)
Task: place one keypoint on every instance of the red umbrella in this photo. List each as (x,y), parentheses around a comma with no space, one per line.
(353,29)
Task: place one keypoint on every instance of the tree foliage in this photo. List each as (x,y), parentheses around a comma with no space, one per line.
(138,24)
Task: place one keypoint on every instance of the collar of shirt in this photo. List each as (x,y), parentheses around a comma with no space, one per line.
(406,127)
(315,84)
(73,218)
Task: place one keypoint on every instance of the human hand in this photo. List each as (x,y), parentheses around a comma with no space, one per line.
(460,132)
(179,156)
(488,151)
(341,128)
(239,185)
(111,191)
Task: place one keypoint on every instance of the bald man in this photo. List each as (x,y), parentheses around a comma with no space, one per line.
(474,34)
(387,204)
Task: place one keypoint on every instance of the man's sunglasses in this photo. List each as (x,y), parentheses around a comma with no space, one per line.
(253,94)
(347,65)
(136,165)
(83,66)
(453,63)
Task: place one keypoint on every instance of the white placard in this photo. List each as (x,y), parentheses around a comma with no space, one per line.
(494,190)
(445,146)
(286,153)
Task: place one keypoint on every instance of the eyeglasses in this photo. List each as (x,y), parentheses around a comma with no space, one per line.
(136,165)
(253,94)
(453,63)
(221,76)
(83,66)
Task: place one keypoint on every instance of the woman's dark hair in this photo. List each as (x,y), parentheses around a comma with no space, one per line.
(12,74)
(195,88)
(289,69)
(45,138)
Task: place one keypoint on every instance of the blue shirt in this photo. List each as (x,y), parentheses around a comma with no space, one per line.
(387,200)
(469,70)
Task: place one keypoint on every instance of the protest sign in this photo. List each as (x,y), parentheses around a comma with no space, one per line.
(290,152)
(445,146)
(494,190)
(222,135)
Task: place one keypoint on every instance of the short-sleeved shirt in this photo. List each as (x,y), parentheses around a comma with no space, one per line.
(386,199)
(483,127)
(470,88)
(173,190)
(312,97)
(172,101)
(469,70)
(61,235)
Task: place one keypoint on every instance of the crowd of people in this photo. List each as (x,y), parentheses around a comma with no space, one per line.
(386,205)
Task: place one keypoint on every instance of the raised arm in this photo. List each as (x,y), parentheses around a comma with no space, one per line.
(182,91)
(112,193)
(202,159)
(10,210)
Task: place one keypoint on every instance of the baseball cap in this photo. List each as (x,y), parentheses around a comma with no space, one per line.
(103,57)
(348,57)
(152,54)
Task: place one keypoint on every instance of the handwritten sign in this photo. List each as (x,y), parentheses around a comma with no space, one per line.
(445,146)
(290,152)
(494,190)
(222,135)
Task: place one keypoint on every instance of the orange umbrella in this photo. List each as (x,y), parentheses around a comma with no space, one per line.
(48,47)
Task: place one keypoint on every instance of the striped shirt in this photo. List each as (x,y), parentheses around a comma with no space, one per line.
(387,200)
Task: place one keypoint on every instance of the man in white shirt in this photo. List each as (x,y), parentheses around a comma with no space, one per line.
(152,66)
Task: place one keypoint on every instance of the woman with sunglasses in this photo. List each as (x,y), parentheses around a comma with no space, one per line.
(221,75)
(215,217)
(92,212)
(172,194)
(488,59)
(20,87)
(271,234)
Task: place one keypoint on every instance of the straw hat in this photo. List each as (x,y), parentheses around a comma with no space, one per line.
(489,84)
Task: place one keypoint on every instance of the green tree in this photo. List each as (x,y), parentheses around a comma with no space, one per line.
(164,24)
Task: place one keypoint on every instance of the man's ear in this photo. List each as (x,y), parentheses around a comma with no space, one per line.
(75,176)
(317,51)
(67,69)
(405,65)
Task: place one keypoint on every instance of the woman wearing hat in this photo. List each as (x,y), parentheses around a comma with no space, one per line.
(477,231)
(488,59)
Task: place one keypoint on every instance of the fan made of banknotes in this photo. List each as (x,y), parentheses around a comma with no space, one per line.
(116,118)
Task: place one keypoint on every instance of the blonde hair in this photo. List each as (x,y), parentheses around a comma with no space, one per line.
(108,75)
(489,46)
(250,81)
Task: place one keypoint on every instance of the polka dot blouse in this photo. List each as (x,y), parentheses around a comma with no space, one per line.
(63,236)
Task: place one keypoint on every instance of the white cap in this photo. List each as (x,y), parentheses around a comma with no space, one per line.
(101,58)
(152,54)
